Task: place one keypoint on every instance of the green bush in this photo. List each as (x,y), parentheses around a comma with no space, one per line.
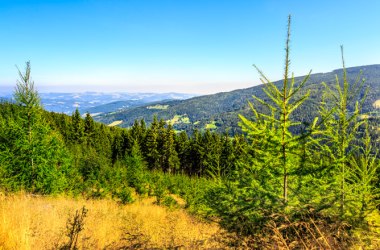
(170,202)
(126,195)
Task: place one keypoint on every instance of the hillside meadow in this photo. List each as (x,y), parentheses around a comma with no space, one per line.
(43,222)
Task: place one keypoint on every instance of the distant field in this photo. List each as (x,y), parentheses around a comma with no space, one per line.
(29,222)
(115,123)
(211,125)
(160,107)
(376,104)
(179,119)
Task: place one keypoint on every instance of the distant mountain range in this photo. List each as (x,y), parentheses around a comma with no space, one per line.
(219,112)
(97,102)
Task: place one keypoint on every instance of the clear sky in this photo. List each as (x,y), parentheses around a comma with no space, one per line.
(195,46)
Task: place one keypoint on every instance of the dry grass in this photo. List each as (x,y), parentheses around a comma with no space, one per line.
(29,222)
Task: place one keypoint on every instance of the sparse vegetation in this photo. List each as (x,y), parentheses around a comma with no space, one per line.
(39,222)
(74,226)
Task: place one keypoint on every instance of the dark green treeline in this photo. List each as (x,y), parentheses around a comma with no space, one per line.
(71,153)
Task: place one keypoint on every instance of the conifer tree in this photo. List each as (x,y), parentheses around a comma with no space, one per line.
(227,155)
(136,169)
(171,160)
(195,153)
(77,127)
(89,125)
(275,147)
(136,131)
(117,147)
(161,140)
(211,155)
(151,145)
(182,148)
(340,132)
(39,158)
(142,130)
(364,175)
(26,96)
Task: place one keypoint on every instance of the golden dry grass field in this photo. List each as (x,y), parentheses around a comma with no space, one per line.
(36,222)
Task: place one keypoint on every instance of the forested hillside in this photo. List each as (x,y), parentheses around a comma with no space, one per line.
(47,152)
(219,112)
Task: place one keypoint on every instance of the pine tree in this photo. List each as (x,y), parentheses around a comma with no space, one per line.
(341,131)
(171,161)
(118,151)
(211,155)
(364,175)
(136,131)
(39,157)
(142,131)
(227,157)
(182,148)
(26,96)
(161,140)
(136,169)
(77,132)
(273,142)
(195,153)
(151,145)
(89,125)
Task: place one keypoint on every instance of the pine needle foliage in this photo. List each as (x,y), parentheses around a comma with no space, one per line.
(364,176)
(36,158)
(25,94)
(340,137)
(275,147)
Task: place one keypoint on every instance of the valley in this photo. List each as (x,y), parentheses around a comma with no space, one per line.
(98,103)
(219,112)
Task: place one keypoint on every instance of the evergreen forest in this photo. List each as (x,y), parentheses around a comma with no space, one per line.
(280,183)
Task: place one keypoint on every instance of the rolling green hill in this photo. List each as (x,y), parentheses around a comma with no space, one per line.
(219,112)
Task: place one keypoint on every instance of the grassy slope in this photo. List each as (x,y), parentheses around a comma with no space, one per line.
(30,222)
(40,222)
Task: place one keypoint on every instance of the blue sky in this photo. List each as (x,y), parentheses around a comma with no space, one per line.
(195,46)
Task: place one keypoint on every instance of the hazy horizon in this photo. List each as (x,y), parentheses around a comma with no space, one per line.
(9,88)
(200,47)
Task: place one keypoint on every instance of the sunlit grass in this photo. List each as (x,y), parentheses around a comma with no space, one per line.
(35,222)
(158,106)
(179,119)
(376,104)
(211,125)
(115,123)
